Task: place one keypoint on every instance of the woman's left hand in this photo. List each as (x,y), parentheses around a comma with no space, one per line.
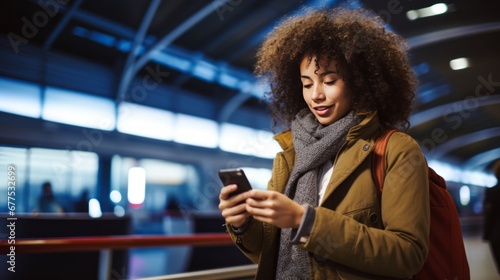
(274,208)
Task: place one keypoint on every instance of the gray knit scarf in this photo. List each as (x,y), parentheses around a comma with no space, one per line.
(314,145)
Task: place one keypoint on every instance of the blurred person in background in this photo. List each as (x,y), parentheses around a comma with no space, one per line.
(491,209)
(47,202)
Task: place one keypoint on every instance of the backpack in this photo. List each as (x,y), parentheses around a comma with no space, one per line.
(447,258)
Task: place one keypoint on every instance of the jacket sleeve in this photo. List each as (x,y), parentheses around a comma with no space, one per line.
(398,248)
(249,242)
(252,242)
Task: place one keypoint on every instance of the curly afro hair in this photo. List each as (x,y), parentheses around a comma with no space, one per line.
(371,60)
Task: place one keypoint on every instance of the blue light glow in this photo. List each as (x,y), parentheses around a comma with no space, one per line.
(247,141)
(464,195)
(421,69)
(124,45)
(136,185)
(80,31)
(454,174)
(228,80)
(74,108)
(95,208)
(246,86)
(119,211)
(162,172)
(196,131)
(20,98)
(175,62)
(186,62)
(102,38)
(204,70)
(145,121)
(115,196)
(259,89)
(433,93)
(258,177)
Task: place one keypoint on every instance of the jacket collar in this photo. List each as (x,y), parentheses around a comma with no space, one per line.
(366,129)
(284,139)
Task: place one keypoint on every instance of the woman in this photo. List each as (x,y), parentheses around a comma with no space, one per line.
(322,216)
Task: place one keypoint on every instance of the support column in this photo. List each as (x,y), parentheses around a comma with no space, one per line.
(104,183)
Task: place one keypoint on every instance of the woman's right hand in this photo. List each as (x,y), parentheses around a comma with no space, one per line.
(233,208)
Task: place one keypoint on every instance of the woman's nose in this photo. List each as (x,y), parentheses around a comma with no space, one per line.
(318,93)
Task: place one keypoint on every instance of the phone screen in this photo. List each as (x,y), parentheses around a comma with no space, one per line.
(235,176)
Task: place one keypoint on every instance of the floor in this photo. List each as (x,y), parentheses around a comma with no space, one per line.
(480,260)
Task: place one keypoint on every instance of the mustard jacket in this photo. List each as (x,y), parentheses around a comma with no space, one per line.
(354,235)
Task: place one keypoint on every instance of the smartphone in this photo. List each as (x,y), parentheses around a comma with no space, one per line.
(235,176)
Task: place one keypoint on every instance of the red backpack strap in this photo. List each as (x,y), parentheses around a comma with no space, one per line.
(378,157)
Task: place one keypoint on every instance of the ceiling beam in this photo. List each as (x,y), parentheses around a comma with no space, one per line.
(222,37)
(258,37)
(177,32)
(451,33)
(138,42)
(482,161)
(110,26)
(125,32)
(62,23)
(230,106)
(164,42)
(464,140)
(422,117)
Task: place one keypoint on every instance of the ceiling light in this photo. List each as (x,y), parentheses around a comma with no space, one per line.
(459,63)
(412,15)
(438,9)
(434,10)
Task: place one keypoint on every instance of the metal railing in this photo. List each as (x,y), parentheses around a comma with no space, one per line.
(235,272)
(105,245)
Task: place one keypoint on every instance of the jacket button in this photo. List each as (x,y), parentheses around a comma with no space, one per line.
(373,218)
(366,147)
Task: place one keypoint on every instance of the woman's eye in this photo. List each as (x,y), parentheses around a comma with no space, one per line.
(307,86)
(330,82)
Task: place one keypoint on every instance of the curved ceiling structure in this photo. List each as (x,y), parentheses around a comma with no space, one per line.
(207,48)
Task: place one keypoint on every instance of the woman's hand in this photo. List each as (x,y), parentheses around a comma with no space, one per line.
(273,208)
(233,208)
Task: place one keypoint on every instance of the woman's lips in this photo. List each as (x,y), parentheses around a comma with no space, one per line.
(322,110)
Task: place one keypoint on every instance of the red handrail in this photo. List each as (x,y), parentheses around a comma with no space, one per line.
(96,243)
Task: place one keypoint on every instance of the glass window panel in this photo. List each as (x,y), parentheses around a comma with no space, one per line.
(49,165)
(265,145)
(85,167)
(247,141)
(236,139)
(162,172)
(145,121)
(258,177)
(18,158)
(196,131)
(70,172)
(70,107)
(164,180)
(20,98)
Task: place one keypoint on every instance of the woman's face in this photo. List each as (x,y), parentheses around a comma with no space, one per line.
(324,91)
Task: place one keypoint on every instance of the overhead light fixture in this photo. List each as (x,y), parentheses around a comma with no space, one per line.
(136,186)
(459,63)
(434,10)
